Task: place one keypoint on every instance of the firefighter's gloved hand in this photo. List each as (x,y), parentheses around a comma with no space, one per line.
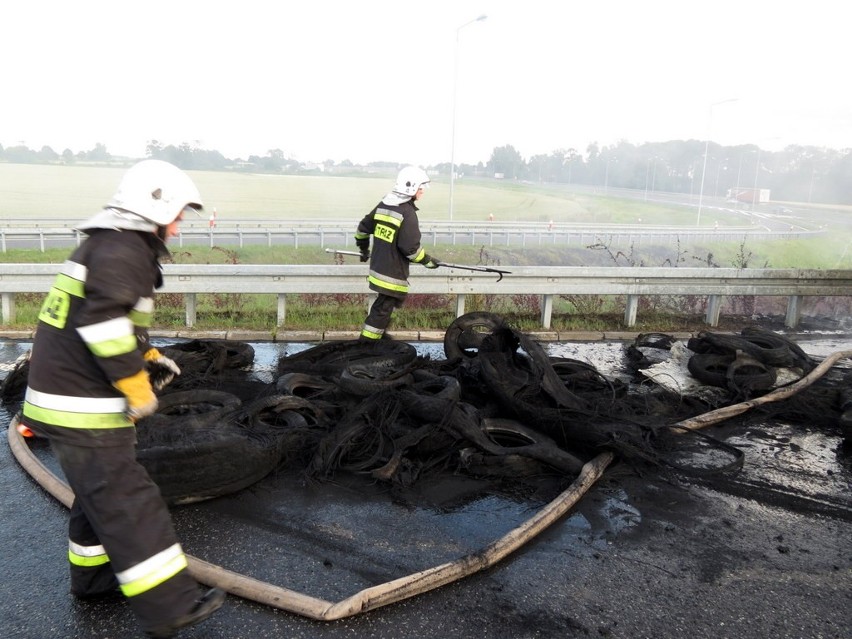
(363,244)
(429,261)
(161,369)
(141,400)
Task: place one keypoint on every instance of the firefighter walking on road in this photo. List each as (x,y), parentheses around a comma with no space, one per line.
(93,374)
(395,229)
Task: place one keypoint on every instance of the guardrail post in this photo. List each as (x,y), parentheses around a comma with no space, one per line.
(190,309)
(3,239)
(794,311)
(546,310)
(371,297)
(7,308)
(631,309)
(459,304)
(41,239)
(714,306)
(282,310)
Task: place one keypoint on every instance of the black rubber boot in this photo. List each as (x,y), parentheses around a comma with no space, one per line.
(209,603)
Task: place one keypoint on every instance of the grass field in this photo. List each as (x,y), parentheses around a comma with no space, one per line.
(72,192)
(76,192)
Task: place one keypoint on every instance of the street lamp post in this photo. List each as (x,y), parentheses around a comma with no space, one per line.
(754,196)
(706,151)
(455,93)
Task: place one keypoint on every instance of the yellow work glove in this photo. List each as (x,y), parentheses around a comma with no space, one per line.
(141,400)
(161,369)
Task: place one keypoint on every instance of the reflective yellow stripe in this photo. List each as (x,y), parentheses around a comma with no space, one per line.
(113,347)
(76,420)
(87,562)
(145,320)
(109,338)
(152,572)
(69,285)
(369,334)
(143,312)
(389,219)
(417,256)
(401,288)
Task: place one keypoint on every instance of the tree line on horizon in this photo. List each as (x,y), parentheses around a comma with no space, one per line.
(795,174)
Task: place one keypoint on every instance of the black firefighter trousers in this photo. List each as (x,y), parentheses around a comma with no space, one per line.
(118,506)
(380,315)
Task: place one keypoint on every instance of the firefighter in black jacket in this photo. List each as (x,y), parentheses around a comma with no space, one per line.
(395,229)
(92,375)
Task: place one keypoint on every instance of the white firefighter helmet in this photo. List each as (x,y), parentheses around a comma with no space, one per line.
(156,191)
(409,180)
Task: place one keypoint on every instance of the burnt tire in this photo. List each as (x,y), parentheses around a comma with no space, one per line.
(518,439)
(746,375)
(362,381)
(240,447)
(330,358)
(465,334)
(710,368)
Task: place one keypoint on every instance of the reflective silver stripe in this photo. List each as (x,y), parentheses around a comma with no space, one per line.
(86,551)
(74,270)
(105,331)
(144,305)
(150,565)
(391,216)
(67,403)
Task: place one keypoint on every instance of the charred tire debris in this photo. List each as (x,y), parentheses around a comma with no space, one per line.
(498,408)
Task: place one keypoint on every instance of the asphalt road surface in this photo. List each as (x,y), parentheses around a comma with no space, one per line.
(645,553)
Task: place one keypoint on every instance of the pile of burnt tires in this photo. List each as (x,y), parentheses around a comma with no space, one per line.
(498,408)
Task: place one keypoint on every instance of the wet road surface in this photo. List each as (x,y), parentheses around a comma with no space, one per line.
(767,554)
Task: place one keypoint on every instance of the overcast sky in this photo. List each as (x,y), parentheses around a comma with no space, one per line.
(373,80)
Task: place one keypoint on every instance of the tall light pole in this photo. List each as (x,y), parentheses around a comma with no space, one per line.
(706,151)
(455,92)
(754,196)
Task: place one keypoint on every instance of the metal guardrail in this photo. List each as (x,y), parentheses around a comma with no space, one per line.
(58,233)
(548,282)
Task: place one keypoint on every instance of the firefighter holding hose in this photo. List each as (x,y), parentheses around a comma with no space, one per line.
(93,374)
